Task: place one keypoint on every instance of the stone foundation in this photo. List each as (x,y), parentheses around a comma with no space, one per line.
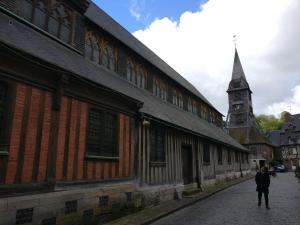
(69,207)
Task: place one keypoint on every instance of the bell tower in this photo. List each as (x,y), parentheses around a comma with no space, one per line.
(240,112)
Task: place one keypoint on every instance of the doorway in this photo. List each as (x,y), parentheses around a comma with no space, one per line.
(187,164)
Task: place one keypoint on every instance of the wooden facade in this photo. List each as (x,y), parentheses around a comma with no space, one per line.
(36,131)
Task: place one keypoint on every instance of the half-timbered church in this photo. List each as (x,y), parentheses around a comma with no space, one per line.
(92,121)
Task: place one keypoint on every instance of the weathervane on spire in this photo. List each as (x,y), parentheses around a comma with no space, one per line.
(234,40)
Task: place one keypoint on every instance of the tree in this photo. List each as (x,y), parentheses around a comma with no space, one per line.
(269,122)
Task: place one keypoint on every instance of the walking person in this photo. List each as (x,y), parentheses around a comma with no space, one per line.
(262,180)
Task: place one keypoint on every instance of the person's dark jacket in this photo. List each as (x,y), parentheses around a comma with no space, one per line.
(262,181)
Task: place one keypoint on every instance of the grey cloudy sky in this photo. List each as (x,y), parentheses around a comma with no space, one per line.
(200,47)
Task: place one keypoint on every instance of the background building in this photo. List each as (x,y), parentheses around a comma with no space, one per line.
(287,141)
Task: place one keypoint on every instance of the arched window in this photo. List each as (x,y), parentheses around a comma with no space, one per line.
(180,101)
(91,47)
(105,57)
(175,98)
(40,14)
(128,70)
(88,48)
(112,59)
(143,80)
(96,53)
(26,9)
(60,22)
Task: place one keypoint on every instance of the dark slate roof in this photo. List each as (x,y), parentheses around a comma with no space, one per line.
(99,17)
(23,38)
(295,122)
(237,70)
(274,137)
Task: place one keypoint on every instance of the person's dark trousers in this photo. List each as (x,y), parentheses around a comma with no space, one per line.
(266,195)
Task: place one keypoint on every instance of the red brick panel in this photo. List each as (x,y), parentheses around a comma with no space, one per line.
(90,166)
(61,139)
(82,137)
(31,132)
(106,170)
(113,170)
(132,145)
(45,139)
(72,141)
(15,138)
(127,146)
(121,144)
(98,170)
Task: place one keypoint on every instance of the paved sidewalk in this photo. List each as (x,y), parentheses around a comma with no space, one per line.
(149,215)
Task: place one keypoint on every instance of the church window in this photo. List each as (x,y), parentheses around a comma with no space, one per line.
(91,47)
(26,9)
(102,134)
(137,75)
(49,15)
(180,101)
(206,153)
(189,105)
(157,144)
(194,107)
(60,22)
(105,57)
(40,14)
(175,98)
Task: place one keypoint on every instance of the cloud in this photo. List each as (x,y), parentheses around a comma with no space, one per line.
(137,9)
(199,46)
(291,104)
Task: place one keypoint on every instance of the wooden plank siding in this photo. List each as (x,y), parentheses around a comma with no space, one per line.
(27,161)
(169,172)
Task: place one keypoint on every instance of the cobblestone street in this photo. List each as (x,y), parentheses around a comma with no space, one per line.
(238,206)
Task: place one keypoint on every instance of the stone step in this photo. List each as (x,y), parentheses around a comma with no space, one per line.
(191,192)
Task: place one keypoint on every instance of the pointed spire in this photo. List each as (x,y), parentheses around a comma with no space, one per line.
(237,71)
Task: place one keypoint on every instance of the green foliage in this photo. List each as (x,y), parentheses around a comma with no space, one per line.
(269,122)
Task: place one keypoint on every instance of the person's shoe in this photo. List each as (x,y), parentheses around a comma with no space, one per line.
(259,204)
(267,207)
